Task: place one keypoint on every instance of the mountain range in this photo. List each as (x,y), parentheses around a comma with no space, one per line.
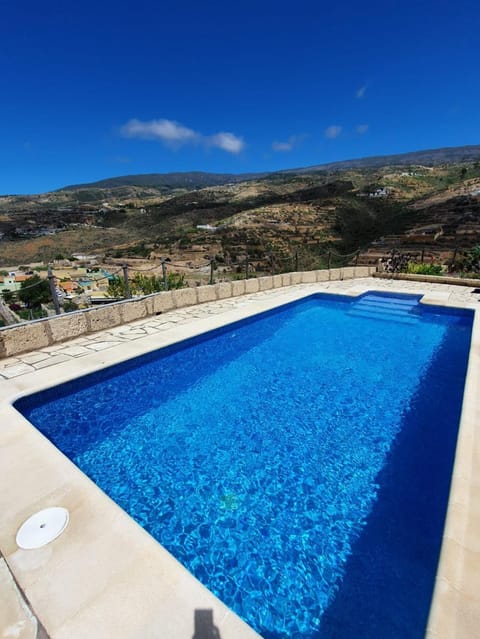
(376,204)
(199,179)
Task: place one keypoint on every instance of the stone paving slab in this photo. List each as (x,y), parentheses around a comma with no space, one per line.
(16,619)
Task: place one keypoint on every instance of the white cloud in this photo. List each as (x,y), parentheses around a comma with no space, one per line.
(226,141)
(174,134)
(282,146)
(360,93)
(333,131)
(292,142)
(362,128)
(166,131)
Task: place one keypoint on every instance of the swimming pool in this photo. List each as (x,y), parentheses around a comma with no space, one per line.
(297,464)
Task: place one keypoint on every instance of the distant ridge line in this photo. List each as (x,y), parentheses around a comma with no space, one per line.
(202,179)
(428,157)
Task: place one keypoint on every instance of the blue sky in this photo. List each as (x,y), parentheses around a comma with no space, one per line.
(98,89)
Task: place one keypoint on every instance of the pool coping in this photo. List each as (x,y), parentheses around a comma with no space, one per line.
(130,566)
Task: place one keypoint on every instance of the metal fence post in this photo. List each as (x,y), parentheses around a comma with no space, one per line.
(329,258)
(272,267)
(357,254)
(53,290)
(212,266)
(164,274)
(246,266)
(422,256)
(296,261)
(128,294)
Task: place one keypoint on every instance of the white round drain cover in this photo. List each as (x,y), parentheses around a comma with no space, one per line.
(42,528)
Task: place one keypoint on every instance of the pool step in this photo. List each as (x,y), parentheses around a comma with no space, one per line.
(395,309)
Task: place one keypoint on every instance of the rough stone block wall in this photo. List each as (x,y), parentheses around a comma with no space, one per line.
(162,302)
(68,326)
(24,337)
(277,281)
(348,272)
(224,290)
(133,310)
(251,286)
(40,333)
(308,277)
(362,271)
(335,273)
(99,319)
(265,283)
(184,297)
(206,294)
(238,288)
(323,276)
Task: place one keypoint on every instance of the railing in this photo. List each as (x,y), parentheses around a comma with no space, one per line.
(248,266)
(58,328)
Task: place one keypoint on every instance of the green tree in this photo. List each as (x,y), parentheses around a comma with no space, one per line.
(8,296)
(34,292)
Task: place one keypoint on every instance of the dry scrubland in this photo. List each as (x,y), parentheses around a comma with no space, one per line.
(282,214)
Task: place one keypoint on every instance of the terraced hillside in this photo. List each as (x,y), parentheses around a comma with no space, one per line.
(310,212)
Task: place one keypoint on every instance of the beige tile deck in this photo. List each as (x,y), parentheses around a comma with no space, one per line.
(105,576)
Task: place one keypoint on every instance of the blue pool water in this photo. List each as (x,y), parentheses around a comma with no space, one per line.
(297,464)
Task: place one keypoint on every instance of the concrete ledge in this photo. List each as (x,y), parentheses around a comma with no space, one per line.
(295,278)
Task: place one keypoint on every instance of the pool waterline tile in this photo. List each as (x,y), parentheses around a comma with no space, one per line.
(30,381)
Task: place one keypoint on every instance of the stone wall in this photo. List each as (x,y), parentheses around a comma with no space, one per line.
(430,279)
(21,338)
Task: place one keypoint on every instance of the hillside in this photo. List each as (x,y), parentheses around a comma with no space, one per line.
(198,179)
(308,211)
(166,181)
(430,157)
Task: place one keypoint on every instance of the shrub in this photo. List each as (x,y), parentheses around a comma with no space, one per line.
(424,269)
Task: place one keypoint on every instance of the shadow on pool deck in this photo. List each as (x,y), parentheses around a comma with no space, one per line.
(204,626)
(388,584)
